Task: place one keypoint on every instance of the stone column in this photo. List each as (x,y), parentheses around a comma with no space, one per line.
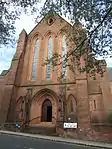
(28,104)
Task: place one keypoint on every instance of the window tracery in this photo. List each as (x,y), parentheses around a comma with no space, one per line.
(63,55)
(35,59)
(49,55)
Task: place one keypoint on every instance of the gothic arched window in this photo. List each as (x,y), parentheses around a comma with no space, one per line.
(63,55)
(71,106)
(49,55)
(35,59)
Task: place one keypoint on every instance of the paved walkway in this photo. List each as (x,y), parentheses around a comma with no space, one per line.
(59,139)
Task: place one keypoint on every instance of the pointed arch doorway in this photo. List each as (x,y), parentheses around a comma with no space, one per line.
(46,111)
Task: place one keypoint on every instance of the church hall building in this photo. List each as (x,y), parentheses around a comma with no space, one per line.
(31,91)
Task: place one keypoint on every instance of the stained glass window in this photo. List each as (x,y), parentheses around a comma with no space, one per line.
(35,59)
(63,55)
(49,55)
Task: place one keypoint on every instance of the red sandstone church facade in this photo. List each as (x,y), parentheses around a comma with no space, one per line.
(28,81)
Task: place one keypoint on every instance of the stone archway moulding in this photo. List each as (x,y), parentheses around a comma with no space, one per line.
(37,101)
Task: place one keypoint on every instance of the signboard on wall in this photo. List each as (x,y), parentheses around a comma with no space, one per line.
(70,125)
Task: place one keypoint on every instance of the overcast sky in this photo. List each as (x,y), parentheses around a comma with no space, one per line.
(28,23)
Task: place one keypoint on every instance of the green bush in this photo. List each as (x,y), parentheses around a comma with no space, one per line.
(109,117)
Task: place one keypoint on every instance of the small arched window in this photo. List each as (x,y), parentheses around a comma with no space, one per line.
(35,59)
(71,104)
(63,55)
(94,104)
(49,55)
